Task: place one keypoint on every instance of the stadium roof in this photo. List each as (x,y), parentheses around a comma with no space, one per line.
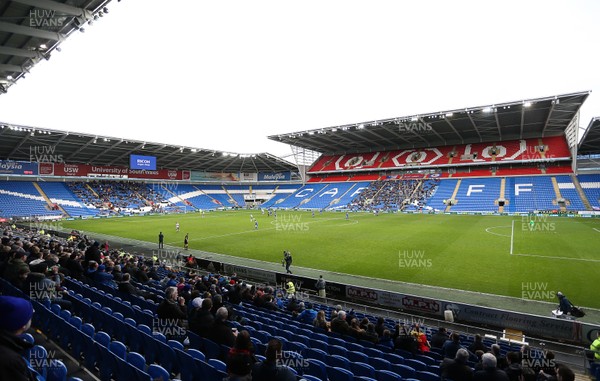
(531,118)
(590,142)
(20,143)
(30,30)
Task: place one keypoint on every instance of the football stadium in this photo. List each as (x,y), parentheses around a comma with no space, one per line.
(458,244)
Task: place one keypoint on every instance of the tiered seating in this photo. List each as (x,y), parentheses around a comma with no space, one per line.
(303,193)
(569,193)
(443,192)
(345,192)
(591,187)
(272,202)
(470,154)
(526,194)
(22,199)
(477,195)
(59,193)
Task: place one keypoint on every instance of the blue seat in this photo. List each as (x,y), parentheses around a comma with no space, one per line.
(316,368)
(338,361)
(57,371)
(158,373)
(88,329)
(315,353)
(196,354)
(386,375)
(38,358)
(318,344)
(27,337)
(372,352)
(427,376)
(404,370)
(107,364)
(362,369)
(210,349)
(166,356)
(175,344)
(379,363)
(188,368)
(357,357)
(313,378)
(218,364)
(76,322)
(338,350)
(137,360)
(118,348)
(102,338)
(339,374)
(393,358)
(416,364)
(209,373)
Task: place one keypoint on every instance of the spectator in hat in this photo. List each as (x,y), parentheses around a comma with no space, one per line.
(15,319)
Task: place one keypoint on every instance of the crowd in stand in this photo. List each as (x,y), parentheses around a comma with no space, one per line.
(390,195)
(114,196)
(203,305)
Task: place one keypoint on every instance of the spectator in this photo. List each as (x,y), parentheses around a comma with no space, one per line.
(202,320)
(240,358)
(452,346)
(340,325)
(173,306)
(270,369)
(321,322)
(490,372)
(221,333)
(501,362)
(126,287)
(421,338)
(457,369)
(439,338)
(514,370)
(478,345)
(308,315)
(15,319)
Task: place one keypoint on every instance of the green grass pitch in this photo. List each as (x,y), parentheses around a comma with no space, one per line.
(456,251)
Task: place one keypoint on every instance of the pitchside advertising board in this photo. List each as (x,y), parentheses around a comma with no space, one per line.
(84,170)
(18,168)
(531,325)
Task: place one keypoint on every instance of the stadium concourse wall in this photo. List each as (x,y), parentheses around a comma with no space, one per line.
(546,327)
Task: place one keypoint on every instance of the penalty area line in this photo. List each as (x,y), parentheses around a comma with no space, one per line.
(564,258)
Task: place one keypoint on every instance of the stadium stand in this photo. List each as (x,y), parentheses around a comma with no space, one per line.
(477,195)
(22,199)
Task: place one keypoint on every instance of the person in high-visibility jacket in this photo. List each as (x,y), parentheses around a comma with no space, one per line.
(290,289)
(596,347)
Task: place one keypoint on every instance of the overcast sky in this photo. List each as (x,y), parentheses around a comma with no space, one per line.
(226,74)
